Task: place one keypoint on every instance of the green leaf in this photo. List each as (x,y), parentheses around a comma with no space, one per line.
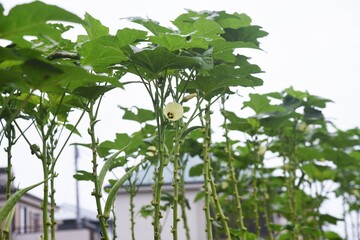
(245,34)
(189,130)
(8,221)
(31,20)
(73,129)
(330,235)
(236,20)
(174,41)
(92,92)
(122,140)
(196,170)
(317,172)
(105,168)
(115,188)
(103,52)
(139,115)
(261,104)
(84,176)
(159,59)
(312,114)
(7,207)
(153,26)
(94,28)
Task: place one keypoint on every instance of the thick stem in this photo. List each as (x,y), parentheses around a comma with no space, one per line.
(183,201)
(176,181)
(206,173)
(53,144)
(114,222)
(158,102)
(45,204)
(10,135)
(256,200)
(97,191)
(265,197)
(132,192)
(240,216)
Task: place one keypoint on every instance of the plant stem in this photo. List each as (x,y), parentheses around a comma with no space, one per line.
(183,200)
(240,216)
(132,192)
(176,179)
(207,159)
(159,182)
(53,144)
(256,200)
(265,197)
(206,171)
(45,204)
(97,191)
(114,222)
(10,135)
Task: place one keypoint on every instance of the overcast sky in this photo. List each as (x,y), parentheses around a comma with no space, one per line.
(312,45)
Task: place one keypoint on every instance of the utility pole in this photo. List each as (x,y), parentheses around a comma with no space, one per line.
(78,217)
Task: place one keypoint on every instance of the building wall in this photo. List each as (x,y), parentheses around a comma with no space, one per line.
(144,228)
(77,234)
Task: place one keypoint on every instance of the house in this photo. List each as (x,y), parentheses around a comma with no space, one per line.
(27,220)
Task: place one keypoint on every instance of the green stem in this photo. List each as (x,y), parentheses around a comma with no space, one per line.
(207,141)
(45,204)
(158,102)
(176,180)
(132,192)
(206,171)
(256,200)
(265,197)
(10,135)
(53,144)
(114,222)
(183,200)
(97,191)
(240,215)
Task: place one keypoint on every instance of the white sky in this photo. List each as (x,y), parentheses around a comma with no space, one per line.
(312,45)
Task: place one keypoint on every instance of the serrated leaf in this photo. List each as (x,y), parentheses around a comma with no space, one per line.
(261,104)
(103,52)
(14,26)
(94,28)
(141,115)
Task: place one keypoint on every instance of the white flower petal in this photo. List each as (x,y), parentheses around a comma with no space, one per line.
(173,111)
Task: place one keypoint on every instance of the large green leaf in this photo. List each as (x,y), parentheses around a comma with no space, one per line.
(220,78)
(115,188)
(140,115)
(261,104)
(7,207)
(102,52)
(318,172)
(94,28)
(159,59)
(176,41)
(31,20)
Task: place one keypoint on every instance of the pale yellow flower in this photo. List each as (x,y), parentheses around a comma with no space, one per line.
(173,111)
